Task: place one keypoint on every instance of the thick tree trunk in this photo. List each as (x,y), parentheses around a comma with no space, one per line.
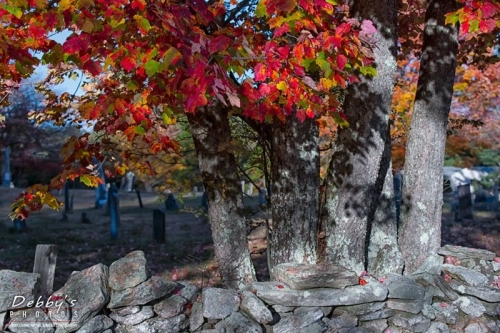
(353,180)
(295,190)
(213,142)
(420,232)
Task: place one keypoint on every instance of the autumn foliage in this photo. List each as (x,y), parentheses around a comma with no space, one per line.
(149,61)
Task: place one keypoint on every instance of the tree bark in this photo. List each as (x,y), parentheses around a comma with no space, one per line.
(213,143)
(420,232)
(353,182)
(295,190)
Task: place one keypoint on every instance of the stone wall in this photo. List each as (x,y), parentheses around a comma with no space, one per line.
(455,291)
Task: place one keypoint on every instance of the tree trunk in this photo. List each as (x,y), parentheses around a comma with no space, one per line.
(295,190)
(213,143)
(420,232)
(355,172)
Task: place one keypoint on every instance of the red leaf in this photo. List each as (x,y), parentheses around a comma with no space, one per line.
(488,10)
(487,25)
(93,67)
(281,30)
(341,61)
(343,29)
(260,72)
(128,63)
(195,101)
(75,44)
(362,282)
(279,286)
(218,44)
(138,4)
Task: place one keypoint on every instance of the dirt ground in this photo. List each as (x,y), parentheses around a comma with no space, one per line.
(187,253)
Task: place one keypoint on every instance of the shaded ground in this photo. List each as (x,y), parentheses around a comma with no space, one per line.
(187,253)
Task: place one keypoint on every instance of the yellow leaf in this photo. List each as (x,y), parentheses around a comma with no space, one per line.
(282,86)
(64,5)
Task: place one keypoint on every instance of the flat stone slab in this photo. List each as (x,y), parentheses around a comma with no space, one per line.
(297,322)
(402,287)
(255,308)
(461,252)
(97,324)
(279,293)
(170,307)
(308,276)
(143,293)
(135,318)
(487,294)
(468,276)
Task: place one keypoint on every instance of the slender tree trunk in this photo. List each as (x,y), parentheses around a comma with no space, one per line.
(420,232)
(295,190)
(353,180)
(213,142)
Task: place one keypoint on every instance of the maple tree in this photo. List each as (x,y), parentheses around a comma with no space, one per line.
(278,65)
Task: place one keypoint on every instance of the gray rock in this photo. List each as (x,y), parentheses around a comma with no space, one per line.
(255,308)
(445,312)
(32,320)
(61,315)
(381,314)
(375,326)
(344,320)
(354,330)
(143,293)
(196,318)
(468,276)
(127,310)
(360,309)
(487,294)
(157,324)
(278,293)
(428,312)
(2,318)
(438,327)
(477,328)
(434,286)
(460,252)
(96,325)
(431,265)
(219,303)
(414,323)
(296,322)
(128,271)
(316,327)
(402,287)
(90,292)
(20,284)
(470,306)
(480,265)
(309,276)
(411,306)
(171,306)
(238,323)
(188,291)
(283,309)
(496,266)
(135,318)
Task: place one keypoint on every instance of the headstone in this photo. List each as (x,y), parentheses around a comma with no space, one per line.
(100,191)
(464,202)
(158,226)
(85,218)
(170,203)
(204,201)
(113,210)
(139,198)
(195,190)
(19,224)
(262,196)
(6,174)
(45,265)
(130,181)
(250,189)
